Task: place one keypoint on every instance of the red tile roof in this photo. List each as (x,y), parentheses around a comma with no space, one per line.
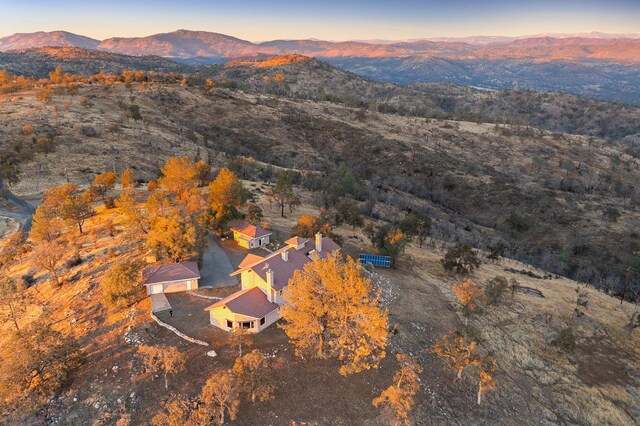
(251,230)
(283,270)
(170,273)
(250,303)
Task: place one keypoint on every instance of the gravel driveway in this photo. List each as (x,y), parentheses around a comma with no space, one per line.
(216,266)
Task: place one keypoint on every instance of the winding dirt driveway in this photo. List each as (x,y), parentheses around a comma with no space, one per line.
(26,214)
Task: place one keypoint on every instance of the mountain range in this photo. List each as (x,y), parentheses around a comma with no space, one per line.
(185,45)
(594,65)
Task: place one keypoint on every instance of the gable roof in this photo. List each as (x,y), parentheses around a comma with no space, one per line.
(170,272)
(283,270)
(250,303)
(250,259)
(251,231)
(296,241)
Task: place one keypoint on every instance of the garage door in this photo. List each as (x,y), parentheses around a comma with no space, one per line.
(175,287)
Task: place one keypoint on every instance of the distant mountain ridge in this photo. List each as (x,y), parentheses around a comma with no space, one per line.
(186,44)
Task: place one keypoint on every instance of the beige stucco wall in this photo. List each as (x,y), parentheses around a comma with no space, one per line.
(219,316)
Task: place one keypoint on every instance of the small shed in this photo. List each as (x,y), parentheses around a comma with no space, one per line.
(250,236)
(171,278)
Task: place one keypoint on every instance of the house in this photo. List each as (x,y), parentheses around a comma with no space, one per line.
(250,236)
(257,305)
(171,278)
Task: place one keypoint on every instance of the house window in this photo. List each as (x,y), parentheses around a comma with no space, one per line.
(229,324)
(262,321)
(246,324)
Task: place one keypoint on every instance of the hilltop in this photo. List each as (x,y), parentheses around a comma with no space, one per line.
(586,65)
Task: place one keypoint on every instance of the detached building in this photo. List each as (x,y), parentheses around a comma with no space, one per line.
(171,278)
(263,279)
(250,236)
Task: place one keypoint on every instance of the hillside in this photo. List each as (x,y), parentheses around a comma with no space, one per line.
(588,65)
(536,381)
(481,183)
(38,62)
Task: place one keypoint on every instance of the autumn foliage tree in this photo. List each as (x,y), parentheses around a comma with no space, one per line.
(469,297)
(104,182)
(120,283)
(457,352)
(219,397)
(162,360)
(48,256)
(486,382)
(398,399)
(11,299)
(308,225)
(226,195)
(332,311)
(254,376)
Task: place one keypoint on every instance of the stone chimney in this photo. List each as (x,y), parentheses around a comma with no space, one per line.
(270,278)
(285,255)
(319,242)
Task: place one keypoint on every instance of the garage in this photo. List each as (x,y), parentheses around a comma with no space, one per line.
(171,278)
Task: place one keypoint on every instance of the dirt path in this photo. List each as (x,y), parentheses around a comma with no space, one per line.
(26,216)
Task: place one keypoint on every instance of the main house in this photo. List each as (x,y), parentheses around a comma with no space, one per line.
(257,305)
(250,236)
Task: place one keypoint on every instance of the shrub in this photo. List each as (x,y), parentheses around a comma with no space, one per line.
(461,259)
(565,341)
(109,203)
(495,289)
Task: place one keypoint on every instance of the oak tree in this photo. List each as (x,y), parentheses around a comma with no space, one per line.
(398,399)
(254,376)
(219,397)
(162,360)
(457,351)
(470,297)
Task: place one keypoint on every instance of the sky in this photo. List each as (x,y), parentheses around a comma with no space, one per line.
(260,20)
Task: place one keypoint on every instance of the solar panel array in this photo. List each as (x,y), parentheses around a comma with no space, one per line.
(376,260)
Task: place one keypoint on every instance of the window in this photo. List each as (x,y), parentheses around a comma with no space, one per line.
(246,324)
(229,324)
(260,242)
(262,321)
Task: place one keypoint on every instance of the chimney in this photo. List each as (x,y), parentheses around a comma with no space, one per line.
(285,255)
(270,278)
(319,242)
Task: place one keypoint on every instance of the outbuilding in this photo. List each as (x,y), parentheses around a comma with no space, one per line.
(250,236)
(171,278)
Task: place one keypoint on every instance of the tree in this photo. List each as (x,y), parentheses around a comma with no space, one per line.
(239,336)
(219,396)
(254,214)
(175,238)
(136,219)
(331,310)
(120,283)
(126,179)
(179,177)
(397,400)
(226,195)
(104,182)
(47,255)
(394,244)
(461,259)
(35,363)
(175,412)
(282,192)
(55,197)
(458,352)
(495,289)
(253,375)
(11,296)
(159,360)
(76,209)
(469,296)
(45,227)
(486,383)
(415,225)
(308,226)
(347,211)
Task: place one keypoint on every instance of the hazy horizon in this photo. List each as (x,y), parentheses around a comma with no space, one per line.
(331,20)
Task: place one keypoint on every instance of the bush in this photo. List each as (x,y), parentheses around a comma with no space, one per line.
(565,341)
(495,289)
(461,259)
(109,203)
(73,262)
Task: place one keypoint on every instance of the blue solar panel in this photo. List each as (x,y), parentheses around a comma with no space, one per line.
(376,260)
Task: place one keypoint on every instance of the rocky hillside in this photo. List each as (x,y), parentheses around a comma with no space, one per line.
(38,62)
(568,203)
